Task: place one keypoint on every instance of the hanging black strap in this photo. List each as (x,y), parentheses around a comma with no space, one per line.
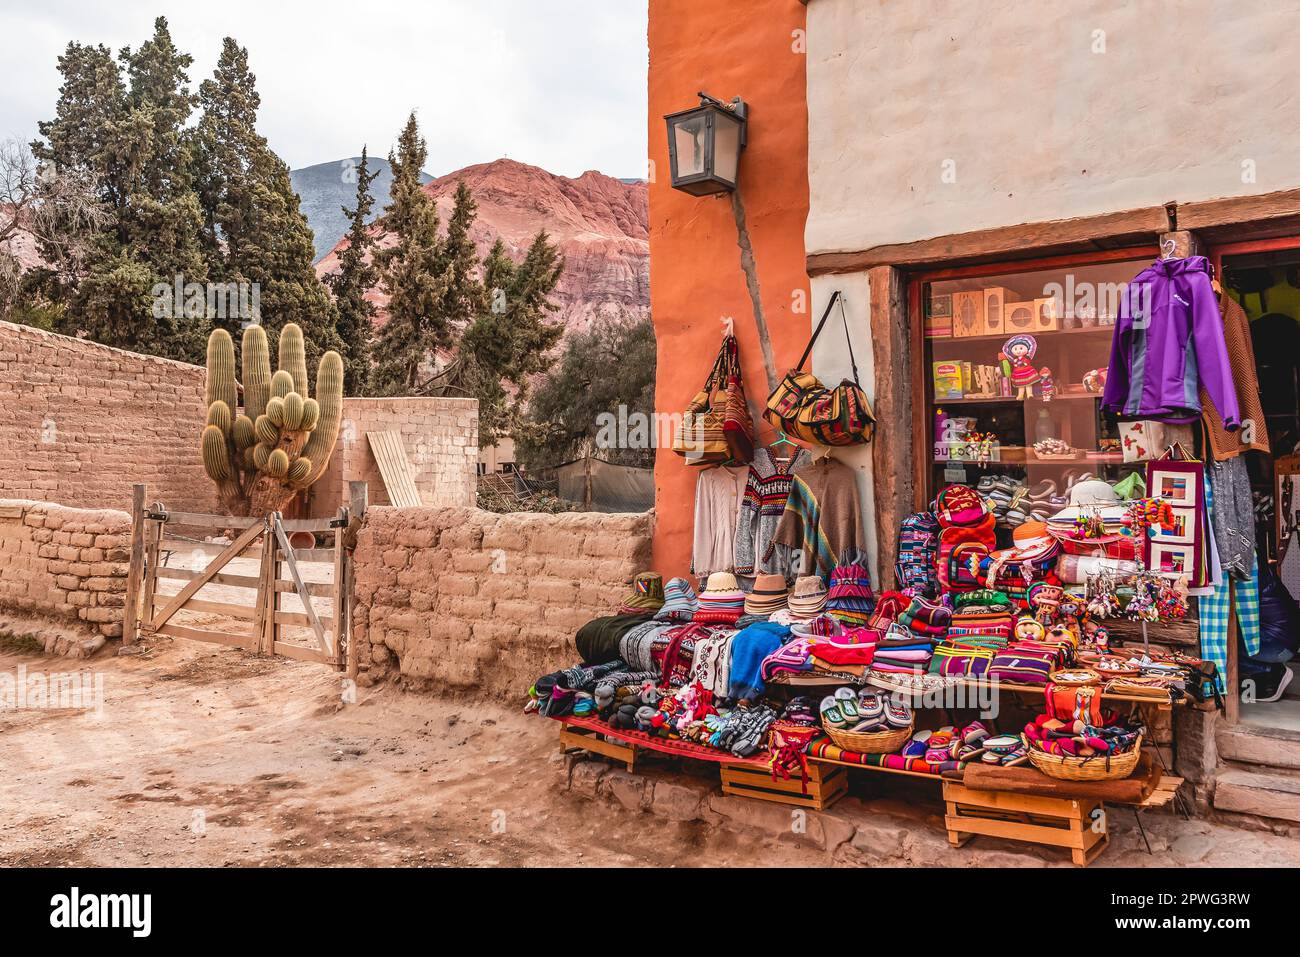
(836,296)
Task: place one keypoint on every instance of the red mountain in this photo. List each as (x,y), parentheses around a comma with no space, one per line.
(599,223)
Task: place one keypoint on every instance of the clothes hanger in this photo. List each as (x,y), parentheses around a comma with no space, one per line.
(782,439)
(1168,248)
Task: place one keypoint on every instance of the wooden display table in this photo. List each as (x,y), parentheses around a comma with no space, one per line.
(1062,822)
(1081,825)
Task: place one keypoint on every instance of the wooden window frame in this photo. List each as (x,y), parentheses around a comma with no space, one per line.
(923,409)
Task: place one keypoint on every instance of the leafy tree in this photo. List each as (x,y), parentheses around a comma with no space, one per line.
(609,365)
(507,344)
(355,276)
(119,125)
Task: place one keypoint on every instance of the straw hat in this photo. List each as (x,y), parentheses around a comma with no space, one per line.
(1093,492)
(647,594)
(722,601)
(808,599)
(769,595)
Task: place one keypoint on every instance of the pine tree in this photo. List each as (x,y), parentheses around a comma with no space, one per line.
(413,274)
(120,125)
(355,276)
(256,232)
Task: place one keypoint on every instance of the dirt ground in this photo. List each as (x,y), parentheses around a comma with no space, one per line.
(208,756)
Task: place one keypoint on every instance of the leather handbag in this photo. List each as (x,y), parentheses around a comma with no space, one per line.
(716,427)
(805,409)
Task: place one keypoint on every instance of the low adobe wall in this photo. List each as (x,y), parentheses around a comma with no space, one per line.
(84,422)
(463,601)
(68,565)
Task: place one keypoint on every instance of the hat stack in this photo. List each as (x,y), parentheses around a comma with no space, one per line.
(808,600)
(850,598)
(680,601)
(722,602)
(646,596)
(768,596)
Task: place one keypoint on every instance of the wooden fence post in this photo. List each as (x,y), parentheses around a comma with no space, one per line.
(358,497)
(135,573)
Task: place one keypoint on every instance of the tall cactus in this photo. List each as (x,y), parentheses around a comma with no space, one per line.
(281,441)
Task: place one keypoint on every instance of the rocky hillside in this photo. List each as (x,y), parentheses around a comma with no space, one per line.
(324,189)
(600,224)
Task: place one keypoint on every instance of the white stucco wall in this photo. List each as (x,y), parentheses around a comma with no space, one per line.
(830,363)
(1040,111)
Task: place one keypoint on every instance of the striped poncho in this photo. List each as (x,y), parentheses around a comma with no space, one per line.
(821,520)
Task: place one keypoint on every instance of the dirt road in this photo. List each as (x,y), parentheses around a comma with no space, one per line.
(208,756)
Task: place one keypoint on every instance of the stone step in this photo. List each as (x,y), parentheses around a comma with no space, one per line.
(1258,793)
(1270,747)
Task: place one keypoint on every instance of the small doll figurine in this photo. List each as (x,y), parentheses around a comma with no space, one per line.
(1029,629)
(1017,359)
(1045,598)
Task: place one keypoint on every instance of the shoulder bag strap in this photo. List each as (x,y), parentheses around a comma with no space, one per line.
(835,296)
(849,339)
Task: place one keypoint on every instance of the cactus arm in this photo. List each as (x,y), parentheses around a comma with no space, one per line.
(256,358)
(329,397)
(293,356)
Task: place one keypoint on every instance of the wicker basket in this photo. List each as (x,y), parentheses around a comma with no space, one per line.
(870,742)
(1099,767)
(1076,677)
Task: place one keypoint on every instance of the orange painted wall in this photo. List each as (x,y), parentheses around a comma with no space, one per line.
(752,49)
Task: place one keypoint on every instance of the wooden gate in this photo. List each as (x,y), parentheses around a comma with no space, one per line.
(258,592)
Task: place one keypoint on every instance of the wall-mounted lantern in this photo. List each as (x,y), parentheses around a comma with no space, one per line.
(704,145)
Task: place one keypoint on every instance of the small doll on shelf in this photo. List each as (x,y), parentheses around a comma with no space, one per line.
(1017,359)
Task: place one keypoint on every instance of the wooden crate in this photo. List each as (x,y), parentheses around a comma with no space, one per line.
(1080,826)
(825,785)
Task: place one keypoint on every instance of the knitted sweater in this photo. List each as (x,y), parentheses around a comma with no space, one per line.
(821,519)
(717,500)
(766,491)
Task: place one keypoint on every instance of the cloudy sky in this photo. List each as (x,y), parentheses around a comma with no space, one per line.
(557,83)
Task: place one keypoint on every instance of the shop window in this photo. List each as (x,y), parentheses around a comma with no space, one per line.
(1015,366)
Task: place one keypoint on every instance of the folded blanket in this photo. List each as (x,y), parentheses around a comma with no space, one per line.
(823,747)
(748,649)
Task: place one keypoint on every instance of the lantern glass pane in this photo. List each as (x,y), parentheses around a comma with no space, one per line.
(689,134)
(726,147)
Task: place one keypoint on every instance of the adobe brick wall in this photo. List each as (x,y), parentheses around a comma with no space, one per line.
(440,436)
(464,601)
(82,422)
(64,564)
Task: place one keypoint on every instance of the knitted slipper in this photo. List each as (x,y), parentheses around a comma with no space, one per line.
(897,713)
(916,745)
(832,717)
(870,705)
(974,733)
(847,699)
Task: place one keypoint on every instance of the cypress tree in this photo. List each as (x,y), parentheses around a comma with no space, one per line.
(413,274)
(120,125)
(255,230)
(355,277)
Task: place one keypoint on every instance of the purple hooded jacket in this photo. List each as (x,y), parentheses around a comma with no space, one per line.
(1168,343)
